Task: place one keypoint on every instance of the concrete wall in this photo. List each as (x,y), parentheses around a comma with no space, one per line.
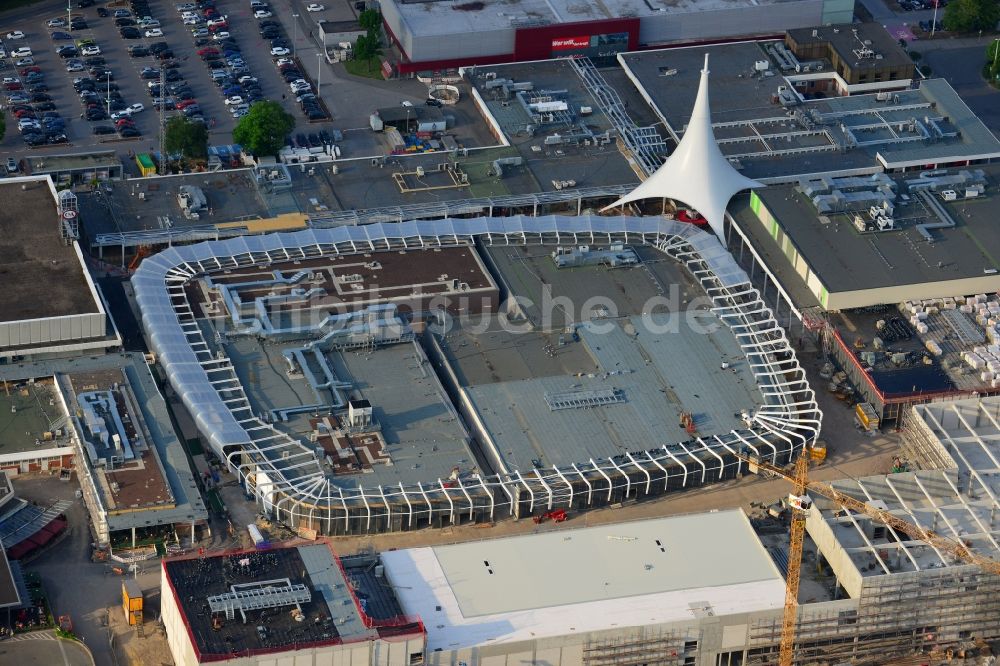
(51,329)
(177,635)
(861,298)
(772,19)
(836,556)
(837,11)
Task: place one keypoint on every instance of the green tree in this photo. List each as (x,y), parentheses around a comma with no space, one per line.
(262,131)
(366,47)
(971,15)
(370,20)
(992,69)
(188,138)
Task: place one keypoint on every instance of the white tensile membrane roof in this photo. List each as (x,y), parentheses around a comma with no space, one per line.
(697,173)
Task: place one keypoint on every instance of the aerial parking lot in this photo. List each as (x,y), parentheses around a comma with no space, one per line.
(97,76)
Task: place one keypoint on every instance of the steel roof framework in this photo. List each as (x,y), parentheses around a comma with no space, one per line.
(288,479)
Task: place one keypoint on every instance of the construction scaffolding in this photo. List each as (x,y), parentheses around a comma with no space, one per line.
(897,615)
(663,650)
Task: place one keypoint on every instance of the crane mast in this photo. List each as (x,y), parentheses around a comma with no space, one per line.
(800,503)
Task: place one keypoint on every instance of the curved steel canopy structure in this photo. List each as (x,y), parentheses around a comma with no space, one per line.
(697,172)
(288,480)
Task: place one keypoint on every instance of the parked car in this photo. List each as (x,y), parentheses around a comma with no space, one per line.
(154,32)
(21,52)
(61,36)
(56,22)
(314,8)
(17,34)
(91,50)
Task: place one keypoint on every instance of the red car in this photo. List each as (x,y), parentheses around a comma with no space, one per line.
(208,51)
(13,86)
(24,113)
(124,122)
(29,70)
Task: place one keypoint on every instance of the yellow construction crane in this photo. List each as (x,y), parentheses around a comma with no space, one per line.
(799,503)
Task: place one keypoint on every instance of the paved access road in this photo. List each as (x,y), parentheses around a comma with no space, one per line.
(960,62)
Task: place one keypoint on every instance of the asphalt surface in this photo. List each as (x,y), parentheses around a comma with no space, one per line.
(350,99)
(88,592)
(962,68)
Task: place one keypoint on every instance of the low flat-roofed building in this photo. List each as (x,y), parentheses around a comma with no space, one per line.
(213,608)
(107,412)
(333,33)
(861,53)
(437,35)
(49,304)
(9,596)
(77,168)
(522,594)
(775,129)
(936,247)
(36,435)
(409,119)
(416,282)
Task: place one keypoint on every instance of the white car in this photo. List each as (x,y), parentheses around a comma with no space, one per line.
(217,21)
(135,108)
(57,22)
(283,61)
(17,34)
(279,51)
(235,99)
(262,14)
(91,50)
(155,32)
(24,62)
(222,34)
(194,20)
(185,7)
(315,8)
(21,52)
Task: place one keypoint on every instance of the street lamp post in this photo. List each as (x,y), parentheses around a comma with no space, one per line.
(319,70)
(295,34)
(934,20)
